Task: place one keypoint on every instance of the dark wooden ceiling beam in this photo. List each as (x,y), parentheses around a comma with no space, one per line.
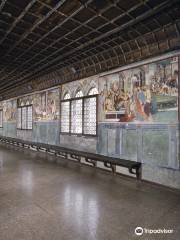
(68,63)
(161,6)
(136,39)
(101,50)
(140,18)
(18,19)
(57,40)
(73,60)
(57,26)
(2,4)
(60,3)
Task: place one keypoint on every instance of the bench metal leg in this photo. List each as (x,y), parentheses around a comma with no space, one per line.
(110,165)
(76,157)
(62,154)
(93,162)
(139,173)
(136,171)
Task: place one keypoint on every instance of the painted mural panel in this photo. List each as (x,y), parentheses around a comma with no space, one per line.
(148,93)
(9,109)
(39,106)
(53,104)
(46,105)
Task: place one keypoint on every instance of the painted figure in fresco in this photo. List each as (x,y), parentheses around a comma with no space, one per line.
(116,99)
(39,112)
(119,100)
(110,96)
(147,105)
(166,78)
(109,102)
(144,94)
(40,106)
(115,95)
(173,83)
(164,89)
(135,80)
(142,99)
(129,108)
(52,104)
(140,115)
(10,111)
(51,109)
(141,96)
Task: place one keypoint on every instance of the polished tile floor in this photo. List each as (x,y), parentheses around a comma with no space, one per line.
(40,199)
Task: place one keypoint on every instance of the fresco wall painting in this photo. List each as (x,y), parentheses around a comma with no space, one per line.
(9,110)
(53,104)
(148,93)
(39,106)
(46,105)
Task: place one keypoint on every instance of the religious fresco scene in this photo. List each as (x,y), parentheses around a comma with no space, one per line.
(9,110)
(39,106)
(46,105)
(52,104)
(148,93)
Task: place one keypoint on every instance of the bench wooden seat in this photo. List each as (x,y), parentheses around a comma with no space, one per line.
(91,158)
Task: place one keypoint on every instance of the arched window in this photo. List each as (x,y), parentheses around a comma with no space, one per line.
(76,113)
(93,91)
(65,113)
(90,112)
(66,96)
(1,118)
(25,116)
(79,94)
(79,114)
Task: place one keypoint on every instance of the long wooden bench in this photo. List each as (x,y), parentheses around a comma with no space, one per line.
(91,158)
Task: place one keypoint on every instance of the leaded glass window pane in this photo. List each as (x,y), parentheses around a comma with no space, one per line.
(72,118)
(90,115)
(24,112)
(1,118)
(79,94)
(24,118)
(93,91)
(65,115)
(29,117)
(76,116)
(19,118)
(66,96)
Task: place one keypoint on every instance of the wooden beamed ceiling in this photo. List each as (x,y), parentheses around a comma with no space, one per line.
(47,42)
